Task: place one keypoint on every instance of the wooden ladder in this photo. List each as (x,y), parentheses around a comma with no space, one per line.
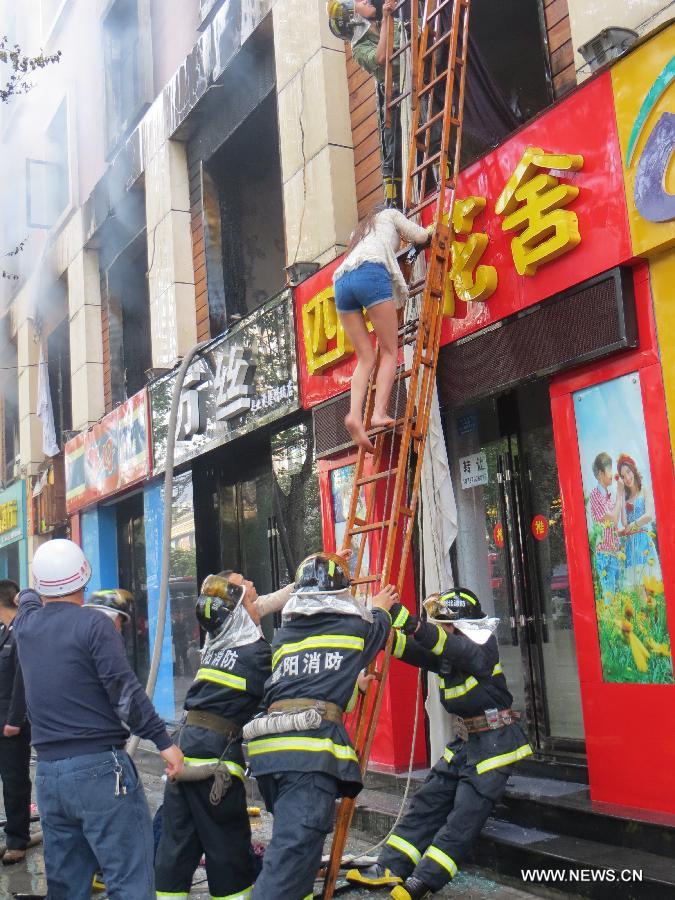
(437,38)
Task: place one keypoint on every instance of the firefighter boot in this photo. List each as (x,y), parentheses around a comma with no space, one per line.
(413,889)
(374,876)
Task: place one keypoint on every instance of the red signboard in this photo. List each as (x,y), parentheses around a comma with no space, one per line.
(112,455)
(591,206)
(498,535)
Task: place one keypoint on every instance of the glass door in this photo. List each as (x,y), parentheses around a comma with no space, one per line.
(510,549)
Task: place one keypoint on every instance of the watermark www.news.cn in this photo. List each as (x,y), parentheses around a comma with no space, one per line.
(572,876)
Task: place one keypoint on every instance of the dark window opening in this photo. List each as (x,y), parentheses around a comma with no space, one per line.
(243,219)
(508,76)
(127,59)
(58,365)
(129,320)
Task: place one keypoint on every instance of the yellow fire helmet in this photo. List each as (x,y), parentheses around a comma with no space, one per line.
(343,21)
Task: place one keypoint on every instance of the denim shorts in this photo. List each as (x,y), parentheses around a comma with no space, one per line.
(363,287)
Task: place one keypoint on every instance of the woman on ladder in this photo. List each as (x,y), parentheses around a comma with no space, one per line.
(370,281)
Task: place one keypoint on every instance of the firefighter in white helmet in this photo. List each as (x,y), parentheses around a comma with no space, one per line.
(83,701)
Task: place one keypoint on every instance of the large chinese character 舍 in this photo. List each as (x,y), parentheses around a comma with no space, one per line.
(470,280)
(532,203)
(321,326)
(234,388)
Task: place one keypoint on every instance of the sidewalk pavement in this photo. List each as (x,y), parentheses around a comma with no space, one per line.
(29,877)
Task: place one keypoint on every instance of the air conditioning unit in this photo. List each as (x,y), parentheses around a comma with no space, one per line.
(607,46)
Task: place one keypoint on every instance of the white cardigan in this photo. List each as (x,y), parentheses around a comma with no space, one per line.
(381,244)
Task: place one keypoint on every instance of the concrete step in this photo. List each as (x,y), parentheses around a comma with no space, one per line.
(583,866)
(563,807)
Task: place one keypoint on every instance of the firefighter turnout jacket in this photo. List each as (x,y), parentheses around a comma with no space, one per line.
(229,683)
(318,657)
(471,681)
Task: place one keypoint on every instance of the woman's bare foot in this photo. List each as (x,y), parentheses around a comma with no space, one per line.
(354,426)
(377,420)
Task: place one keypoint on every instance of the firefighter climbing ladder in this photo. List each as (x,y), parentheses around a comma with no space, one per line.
(438,45)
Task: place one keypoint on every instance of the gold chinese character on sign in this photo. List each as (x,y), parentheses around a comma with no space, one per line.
(326,343)
(8,516)
(532,203)
(470,280)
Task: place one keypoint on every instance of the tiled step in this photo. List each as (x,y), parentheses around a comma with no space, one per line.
(506,848)
(566,808)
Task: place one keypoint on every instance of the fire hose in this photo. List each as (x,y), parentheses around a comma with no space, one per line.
(166,529)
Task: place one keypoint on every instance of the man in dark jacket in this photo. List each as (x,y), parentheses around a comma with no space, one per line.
(446,815)
(83,702)
(14,734)
(300,752)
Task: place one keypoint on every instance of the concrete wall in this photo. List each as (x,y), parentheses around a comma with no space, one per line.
(589,17)
(317,155)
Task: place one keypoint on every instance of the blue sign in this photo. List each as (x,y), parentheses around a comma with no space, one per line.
(466,424)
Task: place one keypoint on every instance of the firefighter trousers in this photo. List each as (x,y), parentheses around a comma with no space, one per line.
(192,825)
(303,804)
(445,818)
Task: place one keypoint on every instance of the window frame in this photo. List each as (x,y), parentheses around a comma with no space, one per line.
(117,132)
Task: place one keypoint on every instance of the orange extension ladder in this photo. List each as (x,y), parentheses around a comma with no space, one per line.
(436,35)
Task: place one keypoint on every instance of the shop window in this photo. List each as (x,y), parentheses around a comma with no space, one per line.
(296,498)
(58,363)
(128,307)
(243,219)
(128,65)
(48,179)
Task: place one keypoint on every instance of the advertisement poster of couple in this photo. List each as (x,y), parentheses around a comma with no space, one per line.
(623,533)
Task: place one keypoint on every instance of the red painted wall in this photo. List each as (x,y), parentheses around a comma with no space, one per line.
(619,718)
(393,738)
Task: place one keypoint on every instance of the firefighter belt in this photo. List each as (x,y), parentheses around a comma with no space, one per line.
(212,722)
(298,714)
(489,721)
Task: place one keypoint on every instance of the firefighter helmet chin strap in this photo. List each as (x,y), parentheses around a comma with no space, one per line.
(239,629)
(477,630)
(313,603)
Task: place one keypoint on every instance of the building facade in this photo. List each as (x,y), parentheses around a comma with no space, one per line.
(175,164)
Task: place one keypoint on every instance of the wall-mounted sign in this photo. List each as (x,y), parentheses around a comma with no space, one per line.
(112,455)
(243,380)
(473,470)
(12,514)
(531,220)
(498,535)
(644,91)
